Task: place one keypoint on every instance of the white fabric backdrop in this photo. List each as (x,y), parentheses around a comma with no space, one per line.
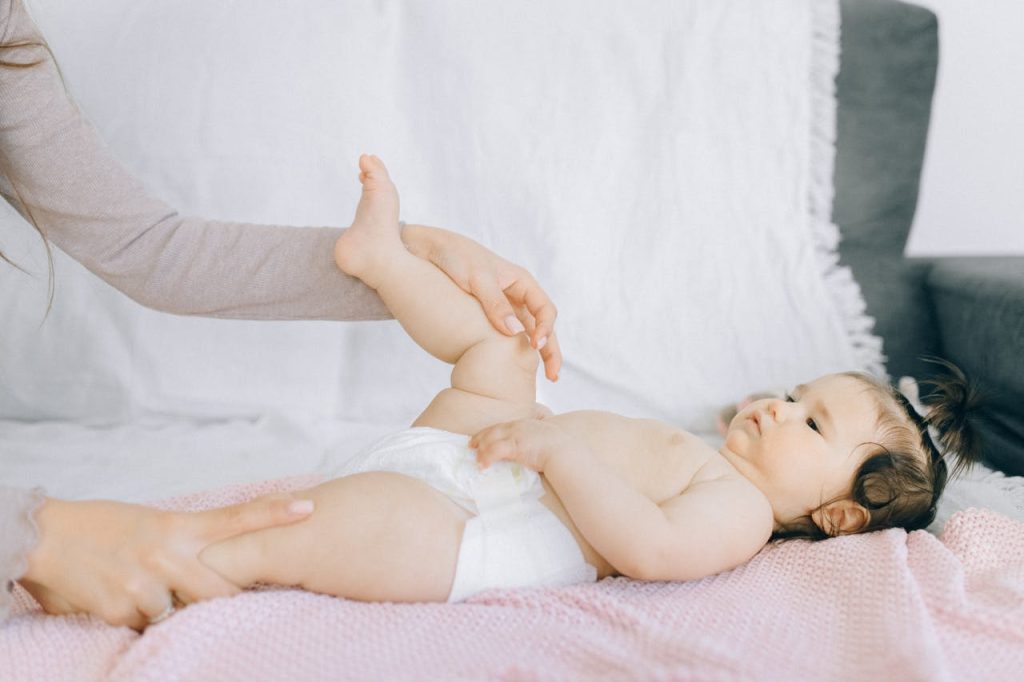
(573,137)
(652,165)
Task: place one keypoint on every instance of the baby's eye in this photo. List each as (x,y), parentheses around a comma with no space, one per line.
(810,422)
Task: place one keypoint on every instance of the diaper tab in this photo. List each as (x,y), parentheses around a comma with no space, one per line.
(504,484)
(514,540)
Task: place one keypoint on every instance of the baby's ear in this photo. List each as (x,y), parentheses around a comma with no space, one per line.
(844,517)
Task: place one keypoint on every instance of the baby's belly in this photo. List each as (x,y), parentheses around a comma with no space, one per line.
(554,504)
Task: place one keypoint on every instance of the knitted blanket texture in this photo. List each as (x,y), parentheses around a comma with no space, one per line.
(884,605)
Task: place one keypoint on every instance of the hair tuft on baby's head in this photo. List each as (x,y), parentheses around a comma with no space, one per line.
(952,408)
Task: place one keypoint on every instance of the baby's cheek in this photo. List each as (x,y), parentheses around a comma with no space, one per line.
(737,441)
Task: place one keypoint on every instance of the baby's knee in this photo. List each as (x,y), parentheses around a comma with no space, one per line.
(500,367)
(515,352)
(526,356)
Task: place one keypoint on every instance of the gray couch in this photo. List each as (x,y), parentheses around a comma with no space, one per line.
(967,310)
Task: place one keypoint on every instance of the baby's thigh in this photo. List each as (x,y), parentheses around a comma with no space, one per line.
(460,411)
(375,536)
(494,381)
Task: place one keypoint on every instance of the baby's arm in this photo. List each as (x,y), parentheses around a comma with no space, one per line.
(710,527)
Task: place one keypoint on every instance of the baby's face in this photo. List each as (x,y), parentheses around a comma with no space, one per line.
(803,450)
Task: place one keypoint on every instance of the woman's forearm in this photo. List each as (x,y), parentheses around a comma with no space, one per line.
(616,519)
(59,172)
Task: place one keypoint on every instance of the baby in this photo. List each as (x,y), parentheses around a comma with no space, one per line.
(487,490)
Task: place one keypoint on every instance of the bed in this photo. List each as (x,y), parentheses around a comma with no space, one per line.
(942,603)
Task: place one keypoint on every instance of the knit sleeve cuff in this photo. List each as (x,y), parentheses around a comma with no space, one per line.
(18,535)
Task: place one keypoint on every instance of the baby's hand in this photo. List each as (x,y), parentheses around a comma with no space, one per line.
(531,442)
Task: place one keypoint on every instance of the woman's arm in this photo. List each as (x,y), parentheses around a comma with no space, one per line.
(55,170)
(126,563)
(60,172)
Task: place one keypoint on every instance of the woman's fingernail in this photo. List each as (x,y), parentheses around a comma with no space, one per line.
(542,342)
(301,506)
(513,324)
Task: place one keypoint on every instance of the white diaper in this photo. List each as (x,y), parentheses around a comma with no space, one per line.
(513,541)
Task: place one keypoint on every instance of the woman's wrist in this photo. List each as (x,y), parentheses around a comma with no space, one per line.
(50,517)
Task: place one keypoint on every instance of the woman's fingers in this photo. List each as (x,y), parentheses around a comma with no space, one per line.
(512,299)
(525,292)
(551,354)
(122,613)
(526,319)
(550,350)
(510,311)
(197,582)
(156,603)
(496,306)
(263,512)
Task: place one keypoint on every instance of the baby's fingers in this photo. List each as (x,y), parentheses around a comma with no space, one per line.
(494,451)
(487,436)
(496,306)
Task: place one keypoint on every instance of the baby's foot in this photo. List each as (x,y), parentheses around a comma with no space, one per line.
(374,232)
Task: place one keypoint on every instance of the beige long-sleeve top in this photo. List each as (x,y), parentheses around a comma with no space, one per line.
(53,163)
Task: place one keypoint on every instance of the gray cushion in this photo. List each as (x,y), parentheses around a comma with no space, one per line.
(979,305)
(884,88)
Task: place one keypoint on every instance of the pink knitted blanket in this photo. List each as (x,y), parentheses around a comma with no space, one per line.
(887,605)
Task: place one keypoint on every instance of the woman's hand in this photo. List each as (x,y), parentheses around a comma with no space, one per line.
(531,442)
(130,564)
(510,296)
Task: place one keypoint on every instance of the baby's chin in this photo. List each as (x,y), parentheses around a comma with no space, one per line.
(737,440)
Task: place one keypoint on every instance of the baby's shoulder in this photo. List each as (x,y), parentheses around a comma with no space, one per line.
(720,481)
(718,471)
(726,517)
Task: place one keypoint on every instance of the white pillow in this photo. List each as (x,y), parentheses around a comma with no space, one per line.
(663,168)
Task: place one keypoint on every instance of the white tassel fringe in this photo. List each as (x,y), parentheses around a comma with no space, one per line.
(842,287)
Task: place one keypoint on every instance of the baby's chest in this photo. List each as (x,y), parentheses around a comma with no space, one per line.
(660,466)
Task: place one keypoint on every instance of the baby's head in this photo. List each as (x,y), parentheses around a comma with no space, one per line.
(847,453)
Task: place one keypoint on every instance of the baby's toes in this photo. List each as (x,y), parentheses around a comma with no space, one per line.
(373,171)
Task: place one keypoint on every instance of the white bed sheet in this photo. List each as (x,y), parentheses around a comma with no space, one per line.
(147,462)
(151,461)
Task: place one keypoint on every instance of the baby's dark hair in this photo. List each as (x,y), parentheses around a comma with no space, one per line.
(902,478)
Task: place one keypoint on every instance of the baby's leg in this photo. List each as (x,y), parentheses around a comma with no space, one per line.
(376,536)
(494,376)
